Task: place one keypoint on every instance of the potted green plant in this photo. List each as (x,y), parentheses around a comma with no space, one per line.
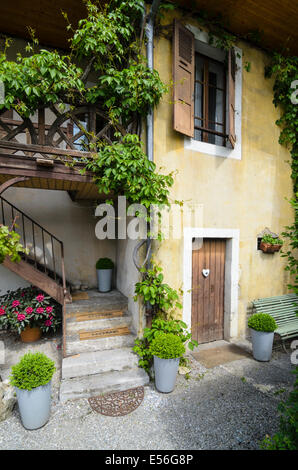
(270,244)
(104,268)
(262,327)
(167,350)
(29,312)
(32,378)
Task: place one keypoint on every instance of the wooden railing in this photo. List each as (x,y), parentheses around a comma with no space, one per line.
(68,134)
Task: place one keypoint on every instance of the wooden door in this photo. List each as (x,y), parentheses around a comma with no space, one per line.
(207,317)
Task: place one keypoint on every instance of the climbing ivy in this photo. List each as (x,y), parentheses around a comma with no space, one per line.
(284,70)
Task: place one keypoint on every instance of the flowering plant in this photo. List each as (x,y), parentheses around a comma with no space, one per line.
(28,307)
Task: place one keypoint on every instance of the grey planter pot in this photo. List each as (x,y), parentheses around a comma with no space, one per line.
(104,279)
(262,345)
(165,374)
(35,406)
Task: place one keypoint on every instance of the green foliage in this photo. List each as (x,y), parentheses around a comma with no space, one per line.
(104,263)
(160,326)
(167,346)
(134,89)
(42,79)
(32,371)
(107,33)
(152,289)
(291,234)
(271,240)
(284,70)
(123,168)
(287,436)
(10,244)
(262,322)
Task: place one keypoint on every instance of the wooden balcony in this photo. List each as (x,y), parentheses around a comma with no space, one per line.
(50,148)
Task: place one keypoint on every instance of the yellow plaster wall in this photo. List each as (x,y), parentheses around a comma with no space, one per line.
(248,195)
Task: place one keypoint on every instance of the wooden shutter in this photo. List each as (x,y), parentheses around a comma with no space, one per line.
(183,77)
(231,85)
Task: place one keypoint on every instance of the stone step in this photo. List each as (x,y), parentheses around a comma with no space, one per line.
(75,345)
(73,327)
(97,362)
(97,303)
(98,384)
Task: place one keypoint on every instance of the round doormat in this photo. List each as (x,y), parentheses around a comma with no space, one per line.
(118,403)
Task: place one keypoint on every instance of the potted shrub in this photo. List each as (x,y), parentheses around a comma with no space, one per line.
(167,350)
(270,244)
(104,268)
(262,327)
(29,313)
(32,378)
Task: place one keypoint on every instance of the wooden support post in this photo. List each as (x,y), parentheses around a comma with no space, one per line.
(41,126)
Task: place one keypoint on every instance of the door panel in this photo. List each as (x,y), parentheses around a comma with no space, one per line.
(208,292)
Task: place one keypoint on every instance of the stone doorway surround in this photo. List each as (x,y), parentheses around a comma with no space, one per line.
(231,275)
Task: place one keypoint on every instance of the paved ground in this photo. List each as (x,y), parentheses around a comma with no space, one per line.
(232,406)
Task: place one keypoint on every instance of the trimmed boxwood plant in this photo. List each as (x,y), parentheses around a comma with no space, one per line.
(262,322)
(33,370)
(104,263)
(167,346)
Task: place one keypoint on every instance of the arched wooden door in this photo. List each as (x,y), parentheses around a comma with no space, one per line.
(208,279)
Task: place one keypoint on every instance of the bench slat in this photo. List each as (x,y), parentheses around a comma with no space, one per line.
(284,310)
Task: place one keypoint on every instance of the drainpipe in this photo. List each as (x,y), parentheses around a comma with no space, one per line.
(149,32)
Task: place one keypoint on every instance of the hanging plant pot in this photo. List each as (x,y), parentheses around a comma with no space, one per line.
(269,248)
(30,335)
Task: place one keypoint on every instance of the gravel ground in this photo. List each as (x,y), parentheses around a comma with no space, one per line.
(232,406)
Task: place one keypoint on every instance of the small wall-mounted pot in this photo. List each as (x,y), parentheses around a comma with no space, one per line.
(269,248)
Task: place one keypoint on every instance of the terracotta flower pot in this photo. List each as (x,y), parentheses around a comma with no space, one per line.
(29,335)
(268,248)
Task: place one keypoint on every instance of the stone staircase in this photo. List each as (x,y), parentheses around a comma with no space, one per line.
(98,347)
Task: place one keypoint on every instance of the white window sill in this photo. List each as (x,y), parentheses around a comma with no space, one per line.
(211,149)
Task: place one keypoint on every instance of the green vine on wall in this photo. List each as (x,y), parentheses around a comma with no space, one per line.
(284,70)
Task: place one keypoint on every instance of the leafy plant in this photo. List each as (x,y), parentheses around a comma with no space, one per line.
(104,263)
(287,436)
(29,307)
(291,234)
(262,322)
(167,346)
(10,244)
(159,327)
(33,370)
(271,240)
(152,289)
(123,168)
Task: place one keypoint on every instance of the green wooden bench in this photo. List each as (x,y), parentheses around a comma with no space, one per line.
(284,310)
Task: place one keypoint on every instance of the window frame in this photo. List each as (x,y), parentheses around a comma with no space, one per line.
(205,129)
(202,45)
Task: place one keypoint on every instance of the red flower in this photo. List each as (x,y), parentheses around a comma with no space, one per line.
(2,311)
(21,317)
(48,322)
(49,309)
(29,310)
(40,298)
(39,310)
(15,303)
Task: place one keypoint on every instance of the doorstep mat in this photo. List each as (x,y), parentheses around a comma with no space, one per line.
(213,357)
(118,403)
(80,295)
